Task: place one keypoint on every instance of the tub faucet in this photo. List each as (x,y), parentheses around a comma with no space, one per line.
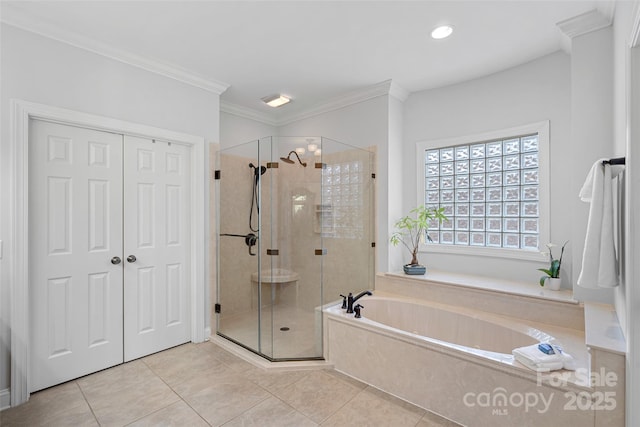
(351,299)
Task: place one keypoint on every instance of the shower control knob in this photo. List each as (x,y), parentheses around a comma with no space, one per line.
(131,258)
(116,260)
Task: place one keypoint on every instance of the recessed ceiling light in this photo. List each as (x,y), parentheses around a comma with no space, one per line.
(442,32)
(276,100)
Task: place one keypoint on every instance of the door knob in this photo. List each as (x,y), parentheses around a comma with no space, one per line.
(116,260)
(131,258)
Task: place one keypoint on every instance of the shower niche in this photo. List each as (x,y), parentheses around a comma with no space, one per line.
(295,229)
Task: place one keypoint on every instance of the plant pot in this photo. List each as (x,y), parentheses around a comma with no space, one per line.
(553,283)
(414,269)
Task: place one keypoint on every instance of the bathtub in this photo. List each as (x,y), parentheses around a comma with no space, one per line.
(450,326)
(453,361)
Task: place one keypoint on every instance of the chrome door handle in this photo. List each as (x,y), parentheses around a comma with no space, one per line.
(116,260)
(131,258)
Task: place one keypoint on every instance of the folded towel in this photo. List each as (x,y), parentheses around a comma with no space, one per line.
(599,263)
(533,358)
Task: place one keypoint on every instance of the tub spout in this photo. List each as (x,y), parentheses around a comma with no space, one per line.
(351,299)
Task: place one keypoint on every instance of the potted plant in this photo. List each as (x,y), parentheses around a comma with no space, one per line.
(412,229)
(552,274)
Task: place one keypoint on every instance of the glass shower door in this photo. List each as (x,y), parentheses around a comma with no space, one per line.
(295,230)
(238,244)
(296,279)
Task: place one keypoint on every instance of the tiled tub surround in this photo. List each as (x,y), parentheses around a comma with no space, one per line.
(463,368)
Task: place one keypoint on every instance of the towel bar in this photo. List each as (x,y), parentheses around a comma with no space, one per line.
(617,161)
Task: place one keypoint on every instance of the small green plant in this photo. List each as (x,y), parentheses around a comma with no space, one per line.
(412,229)
(554,269)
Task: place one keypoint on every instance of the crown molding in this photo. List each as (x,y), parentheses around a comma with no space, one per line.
(387,87)
(350,98)
(14,17)
(607,8)
(634,38)
(398,91)
(585,23)
(247,113)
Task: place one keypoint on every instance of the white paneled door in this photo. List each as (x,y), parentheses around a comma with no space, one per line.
(75,230)
(157,246)
(109,249)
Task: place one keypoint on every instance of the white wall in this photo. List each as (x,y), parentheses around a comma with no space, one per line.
(591,131)
(45,71)
(532,92)
(392,193)
(235,130)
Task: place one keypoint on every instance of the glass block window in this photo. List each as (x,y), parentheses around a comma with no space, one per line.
(490,191)
(342,195)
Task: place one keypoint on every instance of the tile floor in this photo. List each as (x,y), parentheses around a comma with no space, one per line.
(204,385)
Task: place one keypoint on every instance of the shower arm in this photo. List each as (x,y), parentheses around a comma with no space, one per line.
(288,158)
(297,156)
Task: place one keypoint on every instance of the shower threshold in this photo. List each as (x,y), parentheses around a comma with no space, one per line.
(262,361)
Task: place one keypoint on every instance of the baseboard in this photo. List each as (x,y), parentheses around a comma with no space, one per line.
(207,333)
(5,399)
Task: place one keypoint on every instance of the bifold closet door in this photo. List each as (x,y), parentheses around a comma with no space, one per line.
(75,245)
(157,231)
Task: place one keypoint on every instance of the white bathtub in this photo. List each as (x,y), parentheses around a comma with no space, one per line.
(444,358)
(450,326)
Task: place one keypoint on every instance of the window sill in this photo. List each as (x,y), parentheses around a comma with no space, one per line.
(484,251)
(488,284)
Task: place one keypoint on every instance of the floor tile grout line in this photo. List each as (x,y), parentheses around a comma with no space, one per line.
(176,393)
(256,384)
(246,410)
(275,396)
(153,372)
(295,410)
(345,403)
(87,401)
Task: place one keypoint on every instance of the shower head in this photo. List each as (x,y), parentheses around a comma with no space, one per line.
(291,162)
(287,159)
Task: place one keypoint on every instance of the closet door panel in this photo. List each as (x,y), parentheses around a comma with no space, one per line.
(75,229)
(157,196)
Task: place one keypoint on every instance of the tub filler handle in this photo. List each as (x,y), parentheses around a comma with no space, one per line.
(344,302)
(357,309)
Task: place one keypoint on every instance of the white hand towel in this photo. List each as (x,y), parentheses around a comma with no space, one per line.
(531,357)
(599,264)
(540,366)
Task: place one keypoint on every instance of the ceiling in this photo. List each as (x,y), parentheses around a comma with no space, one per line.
(312,51)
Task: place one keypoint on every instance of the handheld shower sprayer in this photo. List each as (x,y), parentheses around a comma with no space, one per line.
(258,170)
(291,162)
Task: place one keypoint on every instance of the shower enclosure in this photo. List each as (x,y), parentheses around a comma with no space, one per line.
(295,229)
